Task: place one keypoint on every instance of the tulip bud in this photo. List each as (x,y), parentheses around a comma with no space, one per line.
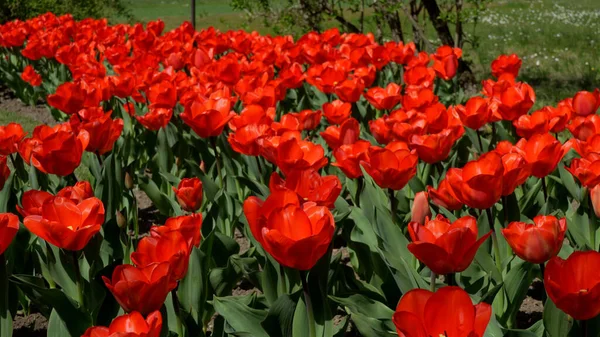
(178,161)
(202,167)
(595,196)
(121,220)
(420,209)
(128,181)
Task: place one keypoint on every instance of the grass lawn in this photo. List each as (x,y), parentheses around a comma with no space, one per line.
(27,123)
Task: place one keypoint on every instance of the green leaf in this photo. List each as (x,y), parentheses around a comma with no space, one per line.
(279,320)
(371,327)
(556,322)
(516,284)
(358,303)
(6,322)
(6,193)
(159,199)
(244,320)
(191,287)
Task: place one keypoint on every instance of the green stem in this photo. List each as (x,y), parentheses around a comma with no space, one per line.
(505,209)
(78,280)
(592,224)
(213,141)
(432,283)
(284,289)
(309,309)
(136,225)
(359,187)
(176,307)
(543,270)
(545,189)
(494,241)
(394,205)
(480,142)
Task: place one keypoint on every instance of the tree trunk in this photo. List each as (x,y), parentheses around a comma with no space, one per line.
(391,17)
(414,13)
(459,28)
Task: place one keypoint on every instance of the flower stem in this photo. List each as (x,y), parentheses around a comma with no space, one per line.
(284,289)
(213,141)
(543,270)
(494,240)
(432,283)
(592,224)
(176,308)
(480,143)
(309,309)
(394,205)
(545,189)
(78,280)
(359,187)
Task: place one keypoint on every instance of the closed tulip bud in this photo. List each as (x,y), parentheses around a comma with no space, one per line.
(595,196)
(128,181)
(420,209)
(189,194)
(537,242)
(121,220)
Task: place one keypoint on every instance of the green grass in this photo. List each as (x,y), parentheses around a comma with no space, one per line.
(557,39)
(27,123)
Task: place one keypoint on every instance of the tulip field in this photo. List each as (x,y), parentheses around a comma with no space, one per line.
(315,187)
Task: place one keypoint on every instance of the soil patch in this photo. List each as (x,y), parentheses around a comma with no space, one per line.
(34,325)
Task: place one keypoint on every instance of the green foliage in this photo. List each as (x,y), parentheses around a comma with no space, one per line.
(25,9)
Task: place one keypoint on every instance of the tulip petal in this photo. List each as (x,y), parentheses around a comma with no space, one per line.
(450,312)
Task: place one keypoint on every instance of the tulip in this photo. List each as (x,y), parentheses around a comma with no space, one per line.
(337,111)
(4,172)
(9,226)
(537,242)
(445,62)
(506,64)
(187,225)
(595,199)
(169,247)
(348,158)
(162,95)
(515,100)
(245,139)
(444,196)
(142,289)
(384,98)
(310,186)
(30,76)
(32,202)
(574,284)
(420,209)
(156,118)
(586,103)
(10,136)
(189,194)
(68,98)
(586,170)
(392,166)
(476,113)
(433,148)
(208,117)
(103,130)
(559,117)
(542,152)
(293,154)
(350,90)
(444,247)
(584,128)
(296,235)
(516,172)
(346,134)
(479,183)
(65,224)
(130,325)
(77,193)
(419,77)
(529,125)
(447,312)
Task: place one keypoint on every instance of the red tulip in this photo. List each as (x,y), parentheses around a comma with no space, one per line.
(103,130)
(586,170)
(346,134)
(516,172)
(32,202)
(515,100)
(293,154)
(392,166)
(162,95)
(208,117)
(187,225)
(156,118)
(443,247)
(542,152)
(433,148)
(529,125)
(296,235)
(479,183)
(9,226)
(419,77)
(559,117)
(586,103)
(444,196)
(189,194)
(420,210)
(55,150)
(574,284)
(310,186)
(130,325)
(245,139)
(142,289)
(445,61)
(384,98)
(506,64)
(595,197)
(30,76)
(476,113)
(68,98)
(447,312)
(65,224)
(537,242)
(4,171)
(337,111)
(10,136)
(348,158)
(583,128)
(77,193)
(169,247)
(350,90)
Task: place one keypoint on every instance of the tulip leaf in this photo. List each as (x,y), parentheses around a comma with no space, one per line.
(516,284)
(577,225)
(567,180)
(556,322)
(359,303)
(280,318)
(6,193)
(6,322)
(159,199)
(190,288)
(243,320)
(370,327)
(526,202)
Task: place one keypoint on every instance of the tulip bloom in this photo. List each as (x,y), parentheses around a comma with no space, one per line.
(55,150)
(310,186)
(345,134)
(142,289)
(444,247)
(586,170)
(169,247)
(516,172)
(479,183)
(156,118)
(187,225)
(476,112)
(32,201)
(542,152)
(537,242)
(77,193)
(245,139)
(445,61)
(68,98)
(574,284)
(30,76)
(337,111)
(384,98)
(350,90)
(586,103)
(348,158)
(189,194)
(103,130)
(392,166)
(529,125)
(293,154)
(9,226)
(447,312)
(444,196)
(162,95)
(296,235)
(515,100)
(433,148)
(506,64)
(130,325)
(66,224)
(208,117)
(10,136)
